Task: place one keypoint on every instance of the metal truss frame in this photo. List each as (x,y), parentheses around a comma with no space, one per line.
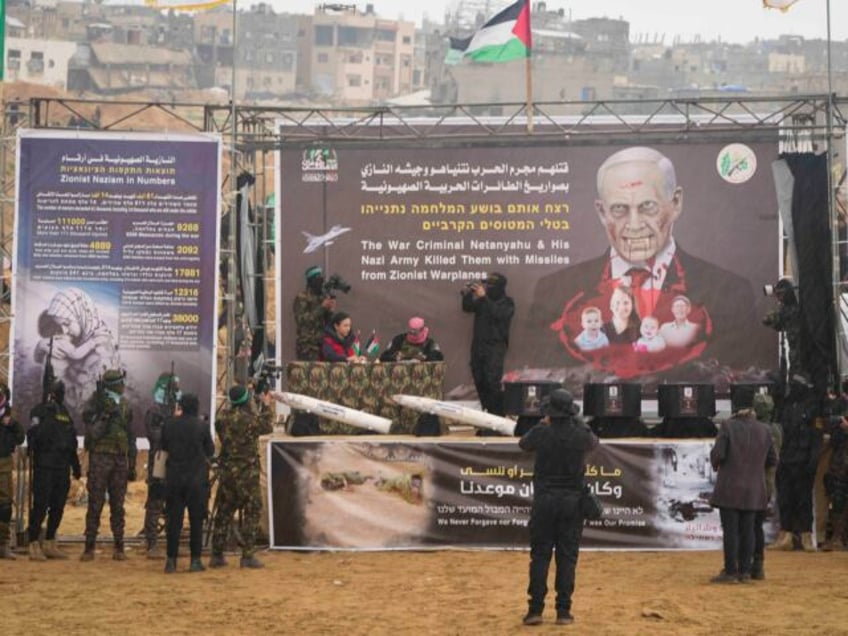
(253,133)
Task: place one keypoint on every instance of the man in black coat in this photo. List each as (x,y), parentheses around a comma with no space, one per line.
(638,203)
(188,441)
(743,450)
(561,442)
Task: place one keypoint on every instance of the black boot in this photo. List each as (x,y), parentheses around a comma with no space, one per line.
(758,572)
(250,562)
(170,566)
(217,561)
(532,618)
(196,566)
(88,552)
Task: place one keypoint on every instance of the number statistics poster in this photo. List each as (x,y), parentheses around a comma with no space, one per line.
(115,264)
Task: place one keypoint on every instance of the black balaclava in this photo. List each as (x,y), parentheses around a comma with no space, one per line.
(315,280)
(496,286)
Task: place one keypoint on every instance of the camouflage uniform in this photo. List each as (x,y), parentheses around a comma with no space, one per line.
(154,506)
(836,479)
(11,435)
(309,317)
(238,481)
(166,393)
(111,448)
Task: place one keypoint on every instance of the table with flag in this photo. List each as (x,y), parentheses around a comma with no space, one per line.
(367,387)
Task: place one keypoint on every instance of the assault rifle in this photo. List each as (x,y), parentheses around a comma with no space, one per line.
(171,391)
(48,377)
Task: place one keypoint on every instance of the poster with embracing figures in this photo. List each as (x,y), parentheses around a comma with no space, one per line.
(115,264)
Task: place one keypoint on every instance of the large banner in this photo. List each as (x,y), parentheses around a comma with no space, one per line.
(116,264)
(384,495)
(624,262)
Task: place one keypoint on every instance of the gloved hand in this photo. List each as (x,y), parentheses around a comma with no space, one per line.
(131,476)
(77,473)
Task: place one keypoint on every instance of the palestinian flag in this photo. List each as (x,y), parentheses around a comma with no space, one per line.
(503,38)
(372,347)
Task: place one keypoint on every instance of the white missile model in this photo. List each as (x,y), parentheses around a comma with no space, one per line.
(457,412)
(331,411)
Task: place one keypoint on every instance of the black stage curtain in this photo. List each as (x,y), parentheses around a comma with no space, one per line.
(812,236)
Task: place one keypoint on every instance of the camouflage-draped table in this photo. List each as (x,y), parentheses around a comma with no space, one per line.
(367,387)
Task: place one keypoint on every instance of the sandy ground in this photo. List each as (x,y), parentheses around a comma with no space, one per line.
(445,592)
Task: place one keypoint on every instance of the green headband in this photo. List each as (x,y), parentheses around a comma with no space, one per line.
(241,399)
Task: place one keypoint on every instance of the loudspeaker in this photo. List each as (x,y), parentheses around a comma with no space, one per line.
(612,400)
(686,400)
(767,388)
(525,398)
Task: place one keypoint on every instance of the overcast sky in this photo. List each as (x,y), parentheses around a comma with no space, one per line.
(732,20)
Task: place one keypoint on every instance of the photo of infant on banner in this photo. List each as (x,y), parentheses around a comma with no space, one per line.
(620,341)
(645,305)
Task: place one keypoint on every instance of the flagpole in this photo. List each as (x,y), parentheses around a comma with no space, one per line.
(528,73)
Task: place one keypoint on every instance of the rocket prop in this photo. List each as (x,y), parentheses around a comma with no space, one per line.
(457,412)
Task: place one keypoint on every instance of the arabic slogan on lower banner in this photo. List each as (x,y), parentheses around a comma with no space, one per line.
(398,495)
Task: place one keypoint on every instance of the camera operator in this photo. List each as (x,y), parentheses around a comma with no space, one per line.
(786,318)
(312,309)
(493,311)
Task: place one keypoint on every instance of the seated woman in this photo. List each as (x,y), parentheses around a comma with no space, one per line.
(415,345)
(337,344)
(624,326)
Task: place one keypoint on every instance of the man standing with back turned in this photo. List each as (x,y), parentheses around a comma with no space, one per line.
(743,450)
(239,429)
(561,442)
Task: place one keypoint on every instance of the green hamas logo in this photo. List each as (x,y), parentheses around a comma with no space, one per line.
(736,163)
